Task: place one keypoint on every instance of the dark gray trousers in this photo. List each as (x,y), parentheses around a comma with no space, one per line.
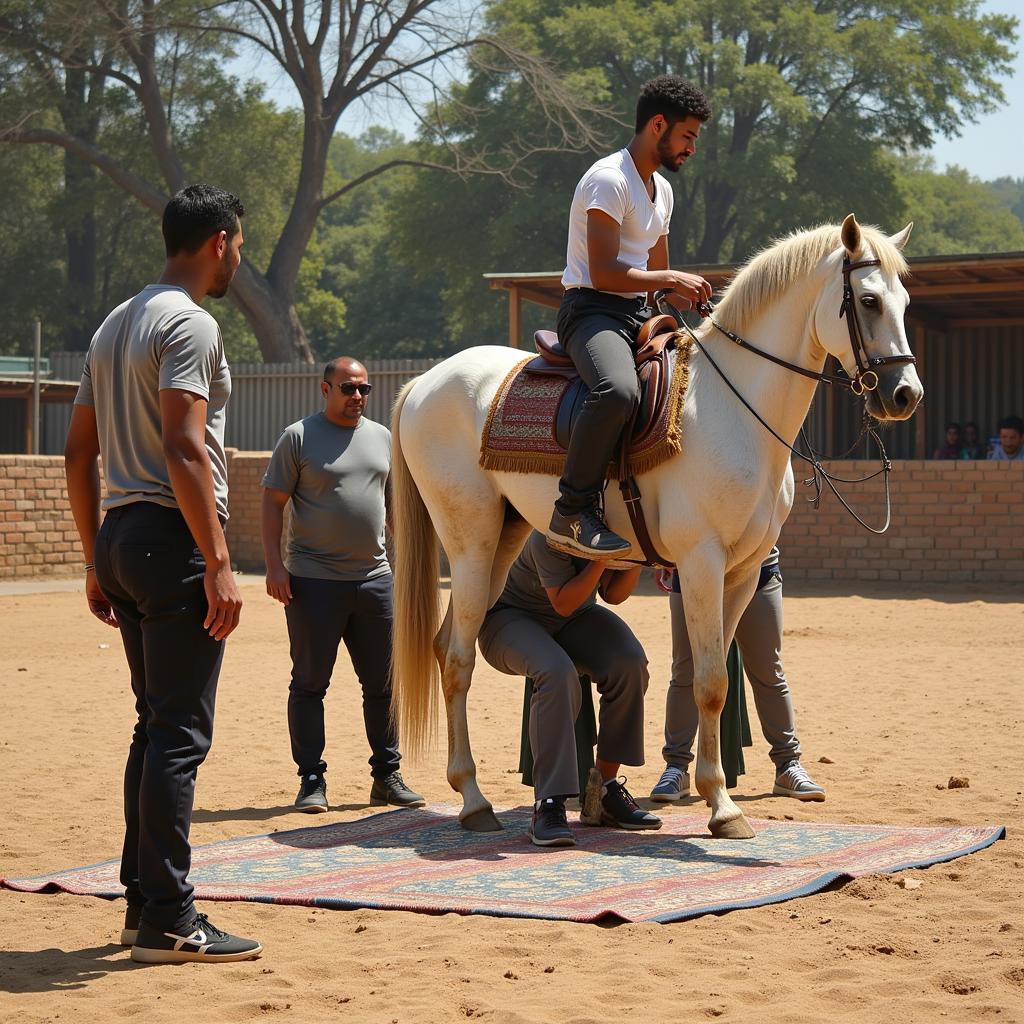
(596,643)
(759,635)
(598,330)
(320,615)
(151,571)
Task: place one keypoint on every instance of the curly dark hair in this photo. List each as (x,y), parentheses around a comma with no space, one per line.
(674,98)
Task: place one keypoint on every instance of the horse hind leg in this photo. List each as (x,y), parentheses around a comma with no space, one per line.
(702,585)
(470,579)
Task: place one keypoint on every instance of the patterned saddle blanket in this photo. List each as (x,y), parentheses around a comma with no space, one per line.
(533,412)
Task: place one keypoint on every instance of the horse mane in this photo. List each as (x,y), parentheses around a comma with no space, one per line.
(775,268)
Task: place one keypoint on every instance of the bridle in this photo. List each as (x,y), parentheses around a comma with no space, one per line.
(865,380)
(866,365)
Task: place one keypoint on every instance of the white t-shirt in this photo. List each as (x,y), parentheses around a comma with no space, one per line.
(614,186)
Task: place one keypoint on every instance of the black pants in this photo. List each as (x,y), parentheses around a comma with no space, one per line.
(151,571)
(320,615)
(599,331)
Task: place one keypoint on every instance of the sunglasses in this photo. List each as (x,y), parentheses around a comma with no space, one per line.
(348,388)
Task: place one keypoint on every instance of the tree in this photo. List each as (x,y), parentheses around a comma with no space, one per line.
(954,212)
(811,101)
(157,51)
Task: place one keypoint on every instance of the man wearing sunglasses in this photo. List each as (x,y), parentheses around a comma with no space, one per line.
(335,582)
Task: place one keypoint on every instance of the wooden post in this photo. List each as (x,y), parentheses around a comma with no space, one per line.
(514,310)
(920,421)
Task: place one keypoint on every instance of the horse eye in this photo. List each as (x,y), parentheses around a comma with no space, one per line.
(869,301)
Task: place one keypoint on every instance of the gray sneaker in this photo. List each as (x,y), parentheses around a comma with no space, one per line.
(312,796)
(794,781)
(393,790)
(673,785)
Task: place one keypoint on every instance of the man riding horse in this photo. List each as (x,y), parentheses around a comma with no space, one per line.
(616,256)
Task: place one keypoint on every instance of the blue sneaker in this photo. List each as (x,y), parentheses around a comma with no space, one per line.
(673,785)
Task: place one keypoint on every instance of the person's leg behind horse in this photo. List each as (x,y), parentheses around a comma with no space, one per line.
(759,635)
(603,647)
(680,712)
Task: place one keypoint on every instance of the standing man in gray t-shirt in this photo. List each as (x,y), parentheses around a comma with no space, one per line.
(151,403)
(333,467)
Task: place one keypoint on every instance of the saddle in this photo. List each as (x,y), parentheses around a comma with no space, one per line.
(653,367)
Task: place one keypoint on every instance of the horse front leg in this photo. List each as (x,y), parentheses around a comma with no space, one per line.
(702,584)
(456,654)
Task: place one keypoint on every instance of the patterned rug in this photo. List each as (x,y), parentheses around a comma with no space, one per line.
(519,435)
(423,861)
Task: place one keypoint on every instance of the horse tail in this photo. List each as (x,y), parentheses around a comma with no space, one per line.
(415,675)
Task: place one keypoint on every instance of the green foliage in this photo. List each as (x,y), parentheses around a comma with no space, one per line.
(955,213)
(811,100)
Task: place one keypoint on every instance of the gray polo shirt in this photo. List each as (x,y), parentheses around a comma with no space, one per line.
(158,340)
(336,477)
(538,567)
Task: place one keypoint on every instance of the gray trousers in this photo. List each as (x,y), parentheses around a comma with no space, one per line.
(598,331)
(596,643)
(759,635)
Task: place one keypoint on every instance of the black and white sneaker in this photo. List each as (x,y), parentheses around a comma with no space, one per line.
(312,796)
(585,534)
(393,790)
(550,827)
(130,931)
(620,810)
(200,942)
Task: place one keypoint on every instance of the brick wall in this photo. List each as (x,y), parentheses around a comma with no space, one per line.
(245,471)
(37,533)
(952,522)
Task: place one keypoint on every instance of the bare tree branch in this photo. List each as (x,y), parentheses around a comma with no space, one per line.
(151,198)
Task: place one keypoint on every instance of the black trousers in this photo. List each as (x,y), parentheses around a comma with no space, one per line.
(151,571)
(598,330)
(320,615)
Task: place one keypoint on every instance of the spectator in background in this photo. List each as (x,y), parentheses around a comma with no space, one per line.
(1011,440)
(951,449)
(973,447)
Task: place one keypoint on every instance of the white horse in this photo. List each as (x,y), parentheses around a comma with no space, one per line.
(714,510)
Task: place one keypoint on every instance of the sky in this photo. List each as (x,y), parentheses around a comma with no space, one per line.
(994,147)
(991,148)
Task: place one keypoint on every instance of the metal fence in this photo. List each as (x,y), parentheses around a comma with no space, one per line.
(265,397)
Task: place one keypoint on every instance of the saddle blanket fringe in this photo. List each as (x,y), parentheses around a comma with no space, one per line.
(519,435)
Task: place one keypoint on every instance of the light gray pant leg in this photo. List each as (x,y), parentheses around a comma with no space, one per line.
(681,717)
(513,642)
(759,635)
(603,647)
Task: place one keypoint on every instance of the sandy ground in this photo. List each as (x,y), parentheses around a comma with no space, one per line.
(899,692)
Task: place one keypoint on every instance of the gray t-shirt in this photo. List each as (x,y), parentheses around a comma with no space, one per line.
(336,477)
(538,567)
(158,340)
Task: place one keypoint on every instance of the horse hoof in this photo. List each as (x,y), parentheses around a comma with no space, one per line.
(484,820)
(735,828)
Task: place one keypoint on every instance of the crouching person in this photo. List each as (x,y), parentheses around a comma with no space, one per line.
(548,626)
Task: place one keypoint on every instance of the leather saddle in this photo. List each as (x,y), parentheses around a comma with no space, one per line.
(653,366)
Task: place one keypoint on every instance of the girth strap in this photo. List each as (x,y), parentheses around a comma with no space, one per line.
(631,496)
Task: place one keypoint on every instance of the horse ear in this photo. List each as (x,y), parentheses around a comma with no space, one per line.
(850,235)
(900,239)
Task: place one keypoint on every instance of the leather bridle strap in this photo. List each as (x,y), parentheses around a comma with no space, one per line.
(867,375)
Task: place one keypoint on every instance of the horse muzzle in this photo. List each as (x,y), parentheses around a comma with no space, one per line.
(897,395)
